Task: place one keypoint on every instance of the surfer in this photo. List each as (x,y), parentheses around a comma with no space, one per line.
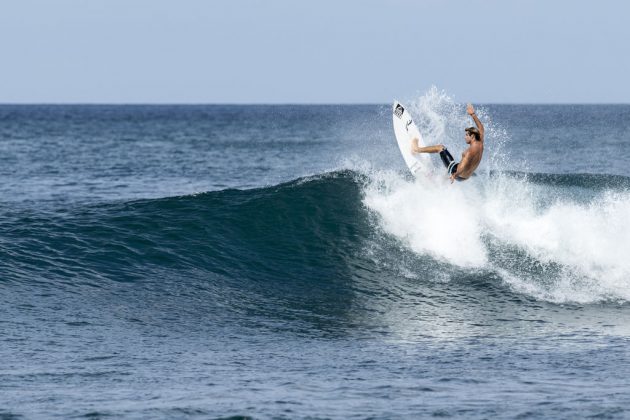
(471,156)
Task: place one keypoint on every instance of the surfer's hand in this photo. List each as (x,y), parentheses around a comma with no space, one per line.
(470,110)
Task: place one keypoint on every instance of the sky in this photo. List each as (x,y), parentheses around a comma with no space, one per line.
(313,51)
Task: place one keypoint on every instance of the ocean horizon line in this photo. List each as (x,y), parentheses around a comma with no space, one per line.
(157,104)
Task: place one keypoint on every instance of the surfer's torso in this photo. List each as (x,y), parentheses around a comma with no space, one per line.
(472,155)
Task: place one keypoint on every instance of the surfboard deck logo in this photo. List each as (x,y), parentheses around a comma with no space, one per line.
(399,111)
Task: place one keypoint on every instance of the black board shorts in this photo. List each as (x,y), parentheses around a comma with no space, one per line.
(449,163)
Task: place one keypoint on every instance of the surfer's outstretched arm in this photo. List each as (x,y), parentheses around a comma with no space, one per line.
(471,111)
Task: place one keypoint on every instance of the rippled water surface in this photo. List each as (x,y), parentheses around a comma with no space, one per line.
(280,262)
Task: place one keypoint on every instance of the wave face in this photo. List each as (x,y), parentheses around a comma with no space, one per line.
(561,239)
(292,242)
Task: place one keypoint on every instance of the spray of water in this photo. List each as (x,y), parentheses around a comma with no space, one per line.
(548,244)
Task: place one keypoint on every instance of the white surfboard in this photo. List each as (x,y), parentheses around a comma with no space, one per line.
(406,130)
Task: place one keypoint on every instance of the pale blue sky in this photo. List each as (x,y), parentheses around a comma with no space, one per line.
(320,51)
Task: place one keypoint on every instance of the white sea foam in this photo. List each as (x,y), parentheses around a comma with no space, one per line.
(545,243)
(588,241)
(578,251)
(427,215)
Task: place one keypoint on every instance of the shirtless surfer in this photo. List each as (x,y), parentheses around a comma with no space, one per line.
(470,158)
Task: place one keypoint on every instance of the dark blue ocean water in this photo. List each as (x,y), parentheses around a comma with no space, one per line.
(280,262)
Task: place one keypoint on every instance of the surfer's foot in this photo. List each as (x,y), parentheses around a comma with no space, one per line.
(414,146)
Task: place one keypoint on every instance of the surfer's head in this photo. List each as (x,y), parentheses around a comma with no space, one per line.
(472,133)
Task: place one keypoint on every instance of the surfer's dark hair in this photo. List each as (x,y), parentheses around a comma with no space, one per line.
(473,131)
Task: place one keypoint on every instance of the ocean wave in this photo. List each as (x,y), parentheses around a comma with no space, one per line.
(318,236)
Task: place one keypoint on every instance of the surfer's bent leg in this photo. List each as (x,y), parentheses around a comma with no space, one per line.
(448,161)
